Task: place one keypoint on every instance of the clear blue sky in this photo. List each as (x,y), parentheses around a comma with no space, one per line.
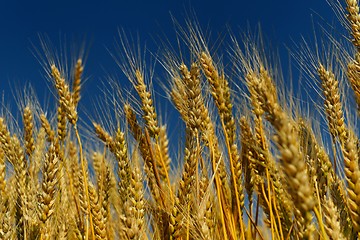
(99,21)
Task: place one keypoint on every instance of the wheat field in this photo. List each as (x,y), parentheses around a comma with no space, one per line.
(250,159)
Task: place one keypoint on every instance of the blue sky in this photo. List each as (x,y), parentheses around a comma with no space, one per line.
(98,22)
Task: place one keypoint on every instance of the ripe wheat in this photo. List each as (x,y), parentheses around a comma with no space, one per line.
(245,163)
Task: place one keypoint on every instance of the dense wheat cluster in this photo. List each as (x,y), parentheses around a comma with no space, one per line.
(248,163)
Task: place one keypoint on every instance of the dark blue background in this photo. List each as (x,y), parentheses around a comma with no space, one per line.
(282,21)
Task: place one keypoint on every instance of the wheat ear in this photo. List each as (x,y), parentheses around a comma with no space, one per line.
(291,158)
(46,125)
(162,153)
(220,91)
(66,100)
(147,153)
(332,224)
(2,175)
(353,17)
(28,130)
(49,187)
(5,139)
(99,200)
(332,103)
(124,170)
(192,98)
(147,106)
(67,103)
(79,69)
(61,123)
(14,152)
(21,175)
(352,173)
(135,206)
(353,74)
